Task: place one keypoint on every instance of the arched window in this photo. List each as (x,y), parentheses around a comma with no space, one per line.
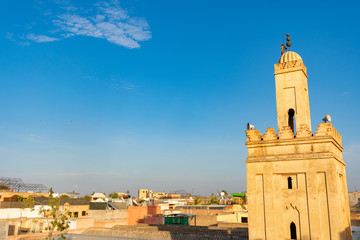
(289,183)
(292,230)
(291,122)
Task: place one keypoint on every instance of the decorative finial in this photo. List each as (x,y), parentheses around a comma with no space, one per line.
(288,43)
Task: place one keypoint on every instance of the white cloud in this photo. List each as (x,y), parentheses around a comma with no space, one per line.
(40,38)
(106,21)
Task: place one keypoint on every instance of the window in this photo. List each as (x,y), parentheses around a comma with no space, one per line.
(291,120)
(292,230)
(244,219)
(83,213)
(76,214)
(289,183)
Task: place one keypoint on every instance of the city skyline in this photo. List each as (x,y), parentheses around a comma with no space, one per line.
(122,95)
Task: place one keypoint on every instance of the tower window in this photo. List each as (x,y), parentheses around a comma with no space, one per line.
(291,121)
(289,183)
(292,230)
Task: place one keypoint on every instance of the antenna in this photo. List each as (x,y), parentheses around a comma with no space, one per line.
(288,43)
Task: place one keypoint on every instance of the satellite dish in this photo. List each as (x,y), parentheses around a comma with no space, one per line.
(250,127)
(327,118)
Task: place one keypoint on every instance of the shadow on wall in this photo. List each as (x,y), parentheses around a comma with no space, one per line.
(170,232)
(203,232)
(346,234)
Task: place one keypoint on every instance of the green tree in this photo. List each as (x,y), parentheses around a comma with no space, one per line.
(56,219)
(114,195)
(225,192)
(51,192)
(197,201)
(214,200)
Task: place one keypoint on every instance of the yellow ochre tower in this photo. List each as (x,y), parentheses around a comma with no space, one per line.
(296,180)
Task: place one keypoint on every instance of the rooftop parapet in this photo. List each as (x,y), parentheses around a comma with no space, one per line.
(270,134)
(285,133)
(303,132)
(253,135)
(327,129)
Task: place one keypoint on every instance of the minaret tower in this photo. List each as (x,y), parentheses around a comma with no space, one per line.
(296,180)
(292,97)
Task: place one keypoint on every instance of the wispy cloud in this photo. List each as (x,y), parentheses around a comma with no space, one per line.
(344,93)
(124,85)
(40,38)
(104,20)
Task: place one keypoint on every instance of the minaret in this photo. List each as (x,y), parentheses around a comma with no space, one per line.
(296,179)
(292,96)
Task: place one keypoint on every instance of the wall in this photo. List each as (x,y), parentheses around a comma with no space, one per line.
(10,213)
(138,213)
(84,223)
(203,220)
(108,215)
(235,217)
(79,209)
(21,194)
(172,232)
(154,220)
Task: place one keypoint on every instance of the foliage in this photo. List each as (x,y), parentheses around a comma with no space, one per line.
(114,195)
(197,201)
(225,192)
(56,219)
(51,192)
(214,200)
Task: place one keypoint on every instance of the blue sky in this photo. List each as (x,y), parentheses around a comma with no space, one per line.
(117,95)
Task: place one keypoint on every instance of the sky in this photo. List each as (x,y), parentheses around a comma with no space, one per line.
(110,96)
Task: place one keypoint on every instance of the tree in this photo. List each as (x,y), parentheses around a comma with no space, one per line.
(197,201)
(214,200)
(225,192)
(51,192)
(56,219)
(114,195)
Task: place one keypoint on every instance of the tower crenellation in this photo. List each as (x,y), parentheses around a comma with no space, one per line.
(323,130)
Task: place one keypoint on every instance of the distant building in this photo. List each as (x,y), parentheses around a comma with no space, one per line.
(159,195)
(99,197)
(146,193)
(143,193)
(174,196)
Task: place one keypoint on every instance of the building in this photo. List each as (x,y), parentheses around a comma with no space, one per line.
(99,197)
(159,195)
(146,193)
(296,180)
(143,193)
